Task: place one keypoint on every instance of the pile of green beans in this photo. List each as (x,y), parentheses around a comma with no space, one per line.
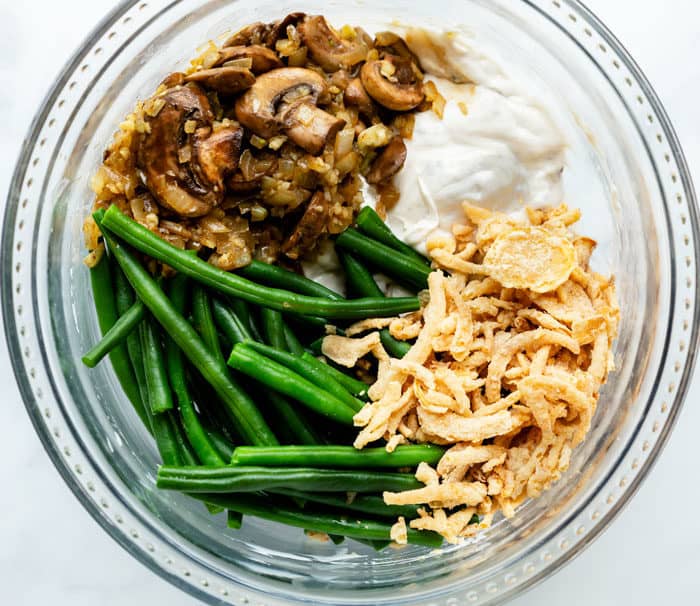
(219,367)
(276,376)
(311,369)
(227,283)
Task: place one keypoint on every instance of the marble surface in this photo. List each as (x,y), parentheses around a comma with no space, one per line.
(51,551)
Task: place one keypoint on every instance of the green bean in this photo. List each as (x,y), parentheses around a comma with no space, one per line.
(105,306)
(124,294)
(337,456)
(354,386)
(316,346)
(241,408)
(233,328)
(159,394)
(394,347)
(121,329)
(282,379)
(313,321)
(298,427)
(125,299)
(310,371)
(371,224)
(214,509)
(214,411)
(294,346)
(223,447)
(205,273)
(184,448)
(159,425)
(242,311)
(361,281)
(163,431)
(292,423)
(336,538)
(273,328)
(330,523)
(198,438)
(391,262)
(363,503)
(273,275)
(234,519)
(204,322)
(253,479)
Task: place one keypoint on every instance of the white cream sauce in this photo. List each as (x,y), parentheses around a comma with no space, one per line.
(495,146)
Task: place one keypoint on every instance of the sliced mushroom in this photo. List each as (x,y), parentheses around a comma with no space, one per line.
(262,59)
(389,43)
(180,166)
(172,80)
(225,80)
(250,34)
(238,185)
(356,95)
(388,163)
(310,227)
(258,108)
(310,127)
(266,34)
(285,100)
(327,48)
(216,154)
(278,29)
(393,82)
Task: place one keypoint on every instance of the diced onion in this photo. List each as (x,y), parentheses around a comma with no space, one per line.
(343,142)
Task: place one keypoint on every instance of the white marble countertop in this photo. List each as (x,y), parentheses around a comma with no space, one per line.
(51,551)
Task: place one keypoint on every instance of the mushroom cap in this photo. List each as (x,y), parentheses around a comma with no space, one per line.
(225,80)
(259,107)
(310,227)
(250,34)
(310,127)
(400,93)
(216,154)
(263,59)
(356,95)
(388,163)
(172,80)
(184,172)
(390,43)
(266,34)
(328,49)
(278,29)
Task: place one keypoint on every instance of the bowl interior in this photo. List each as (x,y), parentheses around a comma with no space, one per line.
(610,175)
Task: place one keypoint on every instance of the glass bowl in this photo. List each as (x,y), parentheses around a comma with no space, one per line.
(625,167)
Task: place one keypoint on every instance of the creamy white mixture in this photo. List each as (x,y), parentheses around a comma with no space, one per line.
(496,146)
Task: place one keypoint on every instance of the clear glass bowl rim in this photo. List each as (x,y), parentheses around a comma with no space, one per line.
(120,536)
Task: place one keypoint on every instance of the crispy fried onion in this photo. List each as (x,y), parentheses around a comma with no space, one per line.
(510,354)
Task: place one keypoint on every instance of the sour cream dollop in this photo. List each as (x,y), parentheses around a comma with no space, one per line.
(496,144)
